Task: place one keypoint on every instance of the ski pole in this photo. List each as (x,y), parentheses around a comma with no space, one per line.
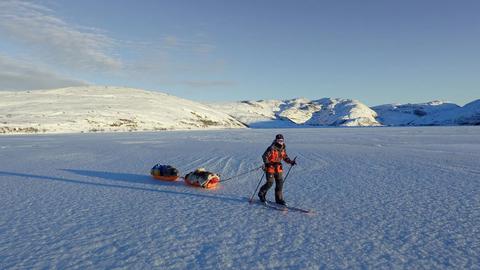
(289,171)
(259,182)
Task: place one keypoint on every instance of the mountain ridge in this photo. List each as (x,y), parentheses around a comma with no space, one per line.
(104,109)
(112,109)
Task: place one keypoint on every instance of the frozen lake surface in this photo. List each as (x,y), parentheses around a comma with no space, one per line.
(383,198)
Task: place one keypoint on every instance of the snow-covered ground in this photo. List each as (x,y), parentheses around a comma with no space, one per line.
(402,198)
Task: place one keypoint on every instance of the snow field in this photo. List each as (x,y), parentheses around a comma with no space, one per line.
(384,198)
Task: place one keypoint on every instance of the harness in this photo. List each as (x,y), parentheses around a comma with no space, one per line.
(275,160)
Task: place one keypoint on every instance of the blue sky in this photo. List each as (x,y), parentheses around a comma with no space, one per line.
(374,51)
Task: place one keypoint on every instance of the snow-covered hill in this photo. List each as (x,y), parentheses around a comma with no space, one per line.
(99,108)
(407,114)
(469,114)
(434,113)
(295,112)
(111,109)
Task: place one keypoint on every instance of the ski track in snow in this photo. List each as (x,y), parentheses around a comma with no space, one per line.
(383,198)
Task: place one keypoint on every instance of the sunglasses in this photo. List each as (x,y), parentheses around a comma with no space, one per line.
(279,140)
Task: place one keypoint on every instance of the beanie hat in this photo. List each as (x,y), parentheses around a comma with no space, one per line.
(279,136)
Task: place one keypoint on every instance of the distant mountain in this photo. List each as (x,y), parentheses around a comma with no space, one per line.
(409,114)
(106,109)
(300,112)
(112,109)
(469,114)
(434,113)
(466,115)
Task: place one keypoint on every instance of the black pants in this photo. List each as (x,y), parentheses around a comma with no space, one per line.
(278,177)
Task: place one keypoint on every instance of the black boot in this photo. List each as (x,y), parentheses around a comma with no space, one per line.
(261,196)
(281,202)
(264,189)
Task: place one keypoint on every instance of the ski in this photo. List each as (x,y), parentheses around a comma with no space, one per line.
(272,206)
(305,211)
(283,208)
(291,208)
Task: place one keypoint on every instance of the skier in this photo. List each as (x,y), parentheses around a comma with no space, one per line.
(272,158)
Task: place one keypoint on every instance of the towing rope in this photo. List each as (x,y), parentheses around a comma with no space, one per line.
(238,175)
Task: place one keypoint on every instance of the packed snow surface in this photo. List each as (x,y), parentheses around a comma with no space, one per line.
(402,198)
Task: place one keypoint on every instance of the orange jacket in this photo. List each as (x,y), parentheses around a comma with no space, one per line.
(273,156)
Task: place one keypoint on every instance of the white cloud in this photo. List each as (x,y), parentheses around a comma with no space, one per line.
(38,34)
(20,75)
(54,39)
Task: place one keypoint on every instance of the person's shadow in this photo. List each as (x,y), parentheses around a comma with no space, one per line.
(125,177)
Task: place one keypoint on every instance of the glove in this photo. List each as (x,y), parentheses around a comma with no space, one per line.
(293,163)
(264,166)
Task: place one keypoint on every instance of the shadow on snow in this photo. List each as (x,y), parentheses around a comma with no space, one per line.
(126,177)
